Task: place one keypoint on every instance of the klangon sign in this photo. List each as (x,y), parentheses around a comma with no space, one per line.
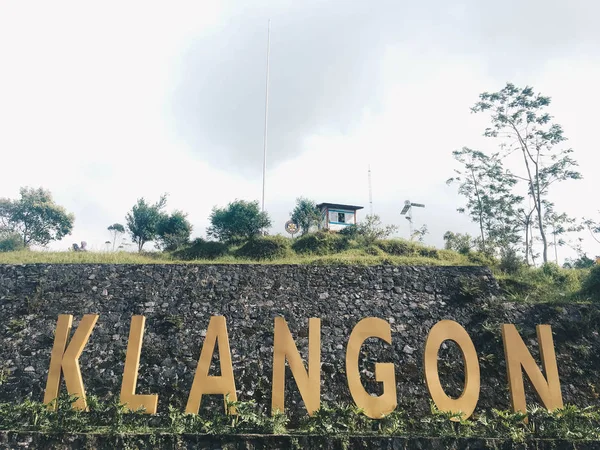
(65,360)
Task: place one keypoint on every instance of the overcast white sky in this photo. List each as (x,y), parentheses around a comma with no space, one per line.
(106,103)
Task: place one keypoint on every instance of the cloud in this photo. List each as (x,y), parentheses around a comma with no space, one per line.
(326,65)
(107,104)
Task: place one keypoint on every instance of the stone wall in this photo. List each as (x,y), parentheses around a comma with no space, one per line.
(38,441)
(178,301)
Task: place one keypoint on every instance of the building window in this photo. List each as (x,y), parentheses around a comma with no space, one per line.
(341,217)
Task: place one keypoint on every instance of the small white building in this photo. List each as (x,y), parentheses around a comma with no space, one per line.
(336,217)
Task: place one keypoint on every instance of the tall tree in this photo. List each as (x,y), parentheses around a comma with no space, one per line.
(519,118)
(306,214)
(116,231)
(35,217)
(593,227)
(143,219)
(526,220)
(237,222)
(559,226)
(173,231)
(372,229)
(487,188)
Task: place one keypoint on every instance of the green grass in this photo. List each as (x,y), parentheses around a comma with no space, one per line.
(547,284)
(571,423)
(45,257)
(348,257)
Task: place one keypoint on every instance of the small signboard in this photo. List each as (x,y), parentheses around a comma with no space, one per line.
(291,227)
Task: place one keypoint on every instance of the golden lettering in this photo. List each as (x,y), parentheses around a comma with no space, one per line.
(517,357)
(309,384)
(129,398)
(374,407)
(67,361)
(465,404)
(205,384)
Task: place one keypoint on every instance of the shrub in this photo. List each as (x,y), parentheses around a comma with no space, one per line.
(351,232)
(11,242)
(321,243)
(591,284)
(268,247)
(510,262)
(481,259)
(428,252)
(371,230)
(582,262)
(563,278)
(397,247)
(201,249)
(401,247)
(373,250)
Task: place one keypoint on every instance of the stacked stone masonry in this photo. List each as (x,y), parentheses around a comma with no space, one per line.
(178,301)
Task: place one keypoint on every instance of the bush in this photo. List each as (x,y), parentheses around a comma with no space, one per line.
(481,259)
(591,284)
(373,250)
(11,242)
(510,262)
(351,232)
(563,278)
(268,247)
(583,262)
(401,247)
(397,247)
(428,252)
(201,249)
(321,243)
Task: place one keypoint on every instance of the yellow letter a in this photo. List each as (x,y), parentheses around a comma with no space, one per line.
(204,384)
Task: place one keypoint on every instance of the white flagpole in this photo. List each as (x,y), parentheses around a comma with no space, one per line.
(266,116)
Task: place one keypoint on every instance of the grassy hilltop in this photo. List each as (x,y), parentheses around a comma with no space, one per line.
(549,283)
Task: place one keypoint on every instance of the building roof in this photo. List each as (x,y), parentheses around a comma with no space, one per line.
(339,206)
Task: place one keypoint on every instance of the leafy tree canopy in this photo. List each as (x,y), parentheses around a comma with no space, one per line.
(461,243)
(306,214)
(527,132)
(35,217)
(173,231)
(371,229)
(116,230)
(143,220)
(239,221)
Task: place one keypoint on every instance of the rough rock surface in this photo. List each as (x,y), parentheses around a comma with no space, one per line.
(178,301)
(11,440)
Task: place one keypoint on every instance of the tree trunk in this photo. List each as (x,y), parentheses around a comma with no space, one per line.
(555,249)
(480,209)
(534,186)
(527,241)
(542,233)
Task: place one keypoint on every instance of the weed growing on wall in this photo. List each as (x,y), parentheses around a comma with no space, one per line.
(570,422)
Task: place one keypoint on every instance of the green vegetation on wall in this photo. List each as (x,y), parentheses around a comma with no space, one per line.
(569,422)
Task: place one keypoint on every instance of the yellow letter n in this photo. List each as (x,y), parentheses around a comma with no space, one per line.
(518,359)
(309,384)
(67,361)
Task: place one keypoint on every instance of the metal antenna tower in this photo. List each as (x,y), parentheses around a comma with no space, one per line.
(266,115)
